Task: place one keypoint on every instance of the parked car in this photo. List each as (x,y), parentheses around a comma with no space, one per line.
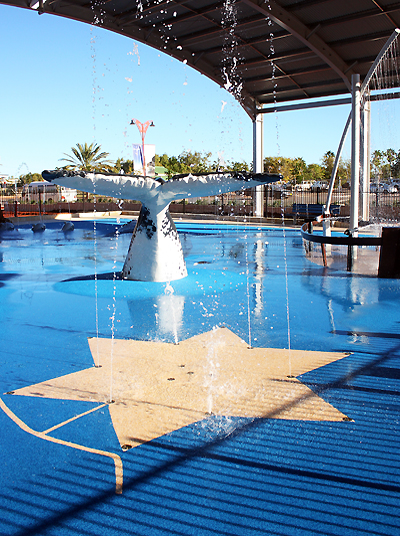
(305,185)
(395,183)
(280,185)
(319,185)
(389,189)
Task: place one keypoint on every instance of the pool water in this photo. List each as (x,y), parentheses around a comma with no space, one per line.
(237,277)
(58,289)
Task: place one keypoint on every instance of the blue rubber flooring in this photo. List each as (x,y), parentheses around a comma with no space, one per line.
(220,476)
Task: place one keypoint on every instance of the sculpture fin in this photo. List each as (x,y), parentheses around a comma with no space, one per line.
(155,252)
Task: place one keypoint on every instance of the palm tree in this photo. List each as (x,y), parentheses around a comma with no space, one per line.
(87,158)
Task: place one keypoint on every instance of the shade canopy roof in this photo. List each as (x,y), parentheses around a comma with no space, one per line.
(263,51)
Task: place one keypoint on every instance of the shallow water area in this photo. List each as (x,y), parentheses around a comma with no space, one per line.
(233,472)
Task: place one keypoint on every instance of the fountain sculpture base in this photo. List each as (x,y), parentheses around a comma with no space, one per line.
(155,252)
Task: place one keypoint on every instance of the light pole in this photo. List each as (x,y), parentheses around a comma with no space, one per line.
(142,127)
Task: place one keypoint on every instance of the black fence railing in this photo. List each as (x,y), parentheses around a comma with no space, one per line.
(278,203)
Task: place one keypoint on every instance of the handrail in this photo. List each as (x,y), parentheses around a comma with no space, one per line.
(341,240)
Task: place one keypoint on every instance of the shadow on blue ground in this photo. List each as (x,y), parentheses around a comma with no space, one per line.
(221,475)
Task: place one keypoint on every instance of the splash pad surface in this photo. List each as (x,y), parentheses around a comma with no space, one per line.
(227,472)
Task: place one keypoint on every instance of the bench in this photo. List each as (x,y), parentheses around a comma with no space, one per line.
(310,211)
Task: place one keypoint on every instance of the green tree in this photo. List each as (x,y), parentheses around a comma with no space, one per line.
(121,166)
(299,170)
(328,161)
(315,172)
(377,163)
(87,158)
(161,160)
(343,171)
(195,162)
(273,164)
(279,164)
(28,178)
(186,162)
(238,166)
(385,164)
(395,171)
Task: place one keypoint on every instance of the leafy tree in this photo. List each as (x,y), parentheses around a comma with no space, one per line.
(122,166)
(391,157)
(186,162)
(273,164)
(395,168)
(128,166)
(328,161)
(195,162)
(28,178)
(377,163)
(238,166)
(279,164)
(385,164)
(87,158)
(343,171)
(315,172)
(161,160)
(299,170)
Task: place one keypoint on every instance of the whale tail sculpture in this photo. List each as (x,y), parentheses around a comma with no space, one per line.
(155,252)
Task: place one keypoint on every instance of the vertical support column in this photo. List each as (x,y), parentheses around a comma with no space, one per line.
(258,163)
(365,156)
(355,152)
(326,231)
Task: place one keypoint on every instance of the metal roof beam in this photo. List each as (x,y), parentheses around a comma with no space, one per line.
(292,24)
(362,39)
(305,4)
(218,28)
(298,72)
(322,103)
(252,42)
(304,106)
(368,13)
(384,11)
(269,95)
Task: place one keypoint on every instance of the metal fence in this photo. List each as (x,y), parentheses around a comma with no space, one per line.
(278,203)
(382,206)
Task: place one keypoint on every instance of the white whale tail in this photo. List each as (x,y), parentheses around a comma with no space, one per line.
(155,252)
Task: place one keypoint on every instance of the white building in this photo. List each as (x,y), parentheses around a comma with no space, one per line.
(48,192)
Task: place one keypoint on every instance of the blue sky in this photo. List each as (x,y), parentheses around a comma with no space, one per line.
(64,82)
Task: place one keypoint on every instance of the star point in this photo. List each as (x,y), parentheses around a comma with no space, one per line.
(156,388)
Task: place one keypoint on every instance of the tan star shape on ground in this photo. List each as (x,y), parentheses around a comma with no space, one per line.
(157,387)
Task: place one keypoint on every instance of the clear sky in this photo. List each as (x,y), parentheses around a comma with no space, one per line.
(64,82)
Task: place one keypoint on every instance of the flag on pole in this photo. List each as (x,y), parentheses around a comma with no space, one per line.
(137,157)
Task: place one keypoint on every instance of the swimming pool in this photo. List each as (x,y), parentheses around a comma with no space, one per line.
(218,475)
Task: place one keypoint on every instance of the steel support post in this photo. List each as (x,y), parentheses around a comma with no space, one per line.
(258,163)
(355,152)
(365,157)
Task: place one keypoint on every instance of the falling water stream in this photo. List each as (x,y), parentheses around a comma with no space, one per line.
(113,313)
(97,362)
(230,49)
(287,296)
(248,293)
(384,81)
(274,92)
(172,307)
(233,84)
